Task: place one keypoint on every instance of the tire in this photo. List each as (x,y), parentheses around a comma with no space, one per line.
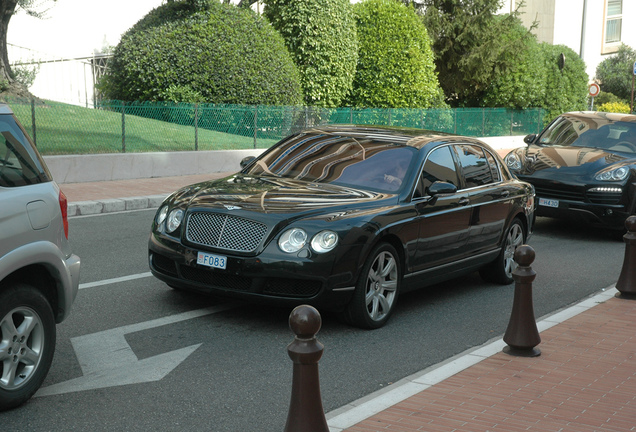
(27,343)
(500,270)
(377,289)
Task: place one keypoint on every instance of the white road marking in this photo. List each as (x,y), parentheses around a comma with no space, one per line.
(114,280)
(107,360)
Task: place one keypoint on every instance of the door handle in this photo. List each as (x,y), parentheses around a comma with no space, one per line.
(464,201)
(505,194)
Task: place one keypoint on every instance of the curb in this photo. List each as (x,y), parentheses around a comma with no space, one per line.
(85,208)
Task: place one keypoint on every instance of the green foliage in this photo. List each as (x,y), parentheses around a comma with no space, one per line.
(223,54)
(321,35)
(473,45)
(614,107)
(565,88)
(395,61)
(181,93)
(607,97)
(615,72)
(523,85)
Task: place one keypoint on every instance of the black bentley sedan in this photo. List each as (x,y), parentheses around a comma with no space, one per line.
(583,166)
(345,218)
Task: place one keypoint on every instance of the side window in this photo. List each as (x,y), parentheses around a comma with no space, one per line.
(439,166)
(494,167)
(475,166)
(19,163)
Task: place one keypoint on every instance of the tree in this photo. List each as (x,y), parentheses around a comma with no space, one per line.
(615,72)
(8,8)
(202,50)
(395,61)
(472,45)
(321,36)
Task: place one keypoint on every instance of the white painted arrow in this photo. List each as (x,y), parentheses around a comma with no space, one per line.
(107,360)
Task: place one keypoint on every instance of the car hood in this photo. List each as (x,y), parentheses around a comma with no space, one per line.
(569,162)
(273,195)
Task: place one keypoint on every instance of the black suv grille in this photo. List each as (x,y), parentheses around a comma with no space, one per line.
(561,194)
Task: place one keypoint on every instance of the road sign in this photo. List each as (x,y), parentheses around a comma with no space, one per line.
(594,90)
(634,68)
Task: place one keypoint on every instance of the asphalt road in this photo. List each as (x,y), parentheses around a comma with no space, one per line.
(226,365)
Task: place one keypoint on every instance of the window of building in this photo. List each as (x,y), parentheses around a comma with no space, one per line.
(613,21)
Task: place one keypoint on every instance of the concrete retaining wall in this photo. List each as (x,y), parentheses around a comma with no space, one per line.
(126,166)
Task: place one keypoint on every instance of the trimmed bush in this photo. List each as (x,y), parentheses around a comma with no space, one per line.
(321,36)
(220,53)
(614,107)
(565,82)
(606,97)
(523,85)
(395,61)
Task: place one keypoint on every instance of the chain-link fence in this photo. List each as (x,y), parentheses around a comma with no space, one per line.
(117,127)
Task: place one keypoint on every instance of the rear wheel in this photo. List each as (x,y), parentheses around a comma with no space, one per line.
(500,270)
(27,343)
(377,289)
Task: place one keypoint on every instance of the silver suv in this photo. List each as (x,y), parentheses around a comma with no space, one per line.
(39,276)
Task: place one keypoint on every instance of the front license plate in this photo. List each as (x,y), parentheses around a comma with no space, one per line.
(210,260)
(548,202)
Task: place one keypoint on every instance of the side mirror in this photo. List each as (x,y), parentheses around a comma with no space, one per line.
(441,188)
(246,161)
(529,139)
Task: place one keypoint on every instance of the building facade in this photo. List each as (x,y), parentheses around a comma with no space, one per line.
(592,28)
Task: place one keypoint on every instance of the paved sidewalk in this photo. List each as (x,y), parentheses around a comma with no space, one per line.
(124,195)
(584,380)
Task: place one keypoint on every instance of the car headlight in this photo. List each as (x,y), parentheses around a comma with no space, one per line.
(292,240)
(174,220)
(161,215)
(513,161)
(617,174)
(324,241)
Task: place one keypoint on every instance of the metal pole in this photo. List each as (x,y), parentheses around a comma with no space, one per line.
(255,123)
(123,127)
(35,140)
(196,126)
(631,107)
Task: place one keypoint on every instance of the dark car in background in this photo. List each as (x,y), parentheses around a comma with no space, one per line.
(345,218)
(39,274)
(583,166)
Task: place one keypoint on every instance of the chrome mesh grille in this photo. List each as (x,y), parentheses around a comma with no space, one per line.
(225,231)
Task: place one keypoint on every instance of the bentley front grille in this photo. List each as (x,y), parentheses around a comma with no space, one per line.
(225,231)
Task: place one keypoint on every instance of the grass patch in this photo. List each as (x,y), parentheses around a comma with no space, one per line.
(69,129)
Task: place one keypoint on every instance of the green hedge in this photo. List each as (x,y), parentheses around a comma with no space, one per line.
(321,35)
(395,61)
(221,54)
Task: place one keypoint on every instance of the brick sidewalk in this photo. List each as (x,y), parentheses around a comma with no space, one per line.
(584,380)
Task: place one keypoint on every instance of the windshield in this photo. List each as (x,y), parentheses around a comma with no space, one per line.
(602,134)
(341,160)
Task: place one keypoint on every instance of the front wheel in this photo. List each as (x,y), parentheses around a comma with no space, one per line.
(377,289)
(500,270)
(27,343)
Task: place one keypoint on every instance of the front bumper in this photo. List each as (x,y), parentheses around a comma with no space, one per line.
(609,216)
(271,277)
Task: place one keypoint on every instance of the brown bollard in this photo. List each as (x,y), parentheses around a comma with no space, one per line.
(522,335)
(626,284)
(305,409)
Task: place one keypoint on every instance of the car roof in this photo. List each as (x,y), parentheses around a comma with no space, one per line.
(4,109)
(411,137)
(600,118)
